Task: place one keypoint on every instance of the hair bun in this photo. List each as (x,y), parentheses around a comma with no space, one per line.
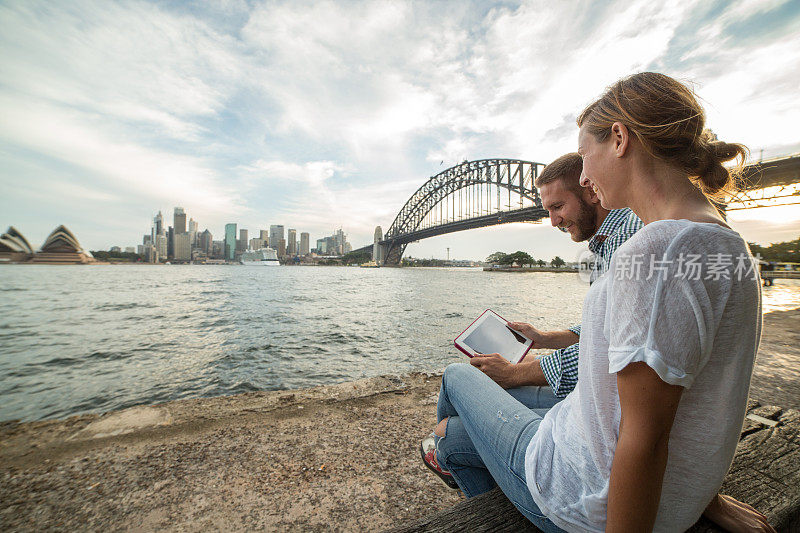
(712,176)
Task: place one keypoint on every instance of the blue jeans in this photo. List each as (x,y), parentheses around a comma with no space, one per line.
(487,434)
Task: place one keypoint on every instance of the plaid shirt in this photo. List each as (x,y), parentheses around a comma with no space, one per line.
(560,368)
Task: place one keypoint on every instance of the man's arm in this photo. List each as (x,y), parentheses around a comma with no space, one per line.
(547,339)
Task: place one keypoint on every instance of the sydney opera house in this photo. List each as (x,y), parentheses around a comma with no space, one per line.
(60,248)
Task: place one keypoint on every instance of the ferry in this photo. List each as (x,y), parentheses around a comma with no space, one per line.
(369,264)
(260,257)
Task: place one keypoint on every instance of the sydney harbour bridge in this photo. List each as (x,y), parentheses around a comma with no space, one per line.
(488,192)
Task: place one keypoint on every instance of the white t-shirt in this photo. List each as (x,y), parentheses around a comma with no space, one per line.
(699,330)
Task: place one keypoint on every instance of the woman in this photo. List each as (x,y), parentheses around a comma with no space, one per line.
(667,345)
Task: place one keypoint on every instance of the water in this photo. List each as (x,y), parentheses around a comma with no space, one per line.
(81,339)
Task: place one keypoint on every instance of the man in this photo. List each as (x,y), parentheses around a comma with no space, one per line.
(576,210)
(541,383)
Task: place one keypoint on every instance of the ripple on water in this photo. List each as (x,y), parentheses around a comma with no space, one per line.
(117,307)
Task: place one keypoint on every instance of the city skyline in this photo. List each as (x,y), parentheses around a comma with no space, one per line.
(333,114)
(184,243)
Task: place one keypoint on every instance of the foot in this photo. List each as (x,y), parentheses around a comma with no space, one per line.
(427,450)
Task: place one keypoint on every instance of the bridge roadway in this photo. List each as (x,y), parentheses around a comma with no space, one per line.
(778,172)
(528,214)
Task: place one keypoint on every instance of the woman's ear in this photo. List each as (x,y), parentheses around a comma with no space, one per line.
(589,196)
(621,137)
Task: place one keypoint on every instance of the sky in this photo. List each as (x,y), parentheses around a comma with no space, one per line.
(319,115)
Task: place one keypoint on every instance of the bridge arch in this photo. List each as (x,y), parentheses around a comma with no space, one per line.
(474,190)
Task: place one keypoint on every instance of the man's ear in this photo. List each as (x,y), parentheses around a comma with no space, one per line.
(621,137)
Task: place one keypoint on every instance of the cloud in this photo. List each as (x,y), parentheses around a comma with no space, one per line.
(318,114)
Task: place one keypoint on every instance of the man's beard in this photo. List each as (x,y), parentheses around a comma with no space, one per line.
(586,222)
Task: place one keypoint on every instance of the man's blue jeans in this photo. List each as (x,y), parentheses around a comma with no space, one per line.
(487,434)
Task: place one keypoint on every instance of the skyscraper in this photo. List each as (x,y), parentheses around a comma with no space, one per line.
(183,248)
(158,225)
(291,242)
(170,243)
(305,239)
(179,223)
(205,242)
(230,241)
(192,232)
(264,236)
(275,236)
(242,244)
(339,239)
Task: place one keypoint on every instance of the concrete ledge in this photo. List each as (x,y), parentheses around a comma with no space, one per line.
(765,473)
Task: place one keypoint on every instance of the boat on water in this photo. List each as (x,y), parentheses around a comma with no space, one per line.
(260,257)
(369,264)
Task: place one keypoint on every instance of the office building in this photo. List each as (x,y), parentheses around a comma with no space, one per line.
(241,244)
(170,243)
(305,243)
(275,236)
(256,243)
(230,241)
(193,232)
(264,236)
(205,242)
(161,246)
(183,247)
(282,248)
(217,249)
(158,224)
(179,221)
(291,242)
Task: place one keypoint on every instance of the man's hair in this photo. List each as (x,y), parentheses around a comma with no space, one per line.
(566,168)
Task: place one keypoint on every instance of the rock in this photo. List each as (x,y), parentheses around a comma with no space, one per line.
(765,474)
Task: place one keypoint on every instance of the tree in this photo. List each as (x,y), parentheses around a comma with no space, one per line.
(781,252)
(351,258)
(541,262)
(557,262)
(521,258)
(496,258)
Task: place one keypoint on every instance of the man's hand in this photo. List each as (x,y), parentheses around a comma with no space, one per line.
(735,516)
(498,368)
(538,337)
(545,339)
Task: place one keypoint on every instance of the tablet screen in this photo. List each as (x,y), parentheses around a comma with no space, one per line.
(492,335)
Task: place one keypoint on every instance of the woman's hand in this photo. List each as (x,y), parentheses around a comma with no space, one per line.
(735,516)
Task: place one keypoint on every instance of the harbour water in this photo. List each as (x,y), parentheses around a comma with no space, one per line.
(83,339)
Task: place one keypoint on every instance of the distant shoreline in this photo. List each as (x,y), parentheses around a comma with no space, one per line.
(531,269)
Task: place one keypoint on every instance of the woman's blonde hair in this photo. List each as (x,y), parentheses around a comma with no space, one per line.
(665,117)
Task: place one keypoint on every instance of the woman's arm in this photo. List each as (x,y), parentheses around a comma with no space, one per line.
(637,472)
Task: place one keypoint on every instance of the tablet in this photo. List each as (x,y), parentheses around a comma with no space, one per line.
(490,334)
